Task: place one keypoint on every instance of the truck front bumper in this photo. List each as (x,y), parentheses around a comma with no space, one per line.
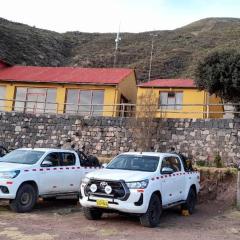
(136,203)
(7,189)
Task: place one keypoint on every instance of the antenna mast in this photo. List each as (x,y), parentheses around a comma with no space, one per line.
(117,41)
(151,57)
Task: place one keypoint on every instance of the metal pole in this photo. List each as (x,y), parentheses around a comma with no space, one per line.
(151,57)
(117,41)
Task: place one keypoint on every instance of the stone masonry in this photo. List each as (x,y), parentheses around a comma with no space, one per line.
(106,137)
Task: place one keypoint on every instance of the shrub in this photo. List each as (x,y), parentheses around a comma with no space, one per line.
(218,161)
(201,163)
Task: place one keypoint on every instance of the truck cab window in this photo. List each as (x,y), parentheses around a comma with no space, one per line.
(171,162)
(53,158)
(68,159)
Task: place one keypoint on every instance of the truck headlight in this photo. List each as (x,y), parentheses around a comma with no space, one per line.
(136,185)
(9,174)
(85,180)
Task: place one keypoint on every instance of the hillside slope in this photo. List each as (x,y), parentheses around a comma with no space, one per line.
(176,52)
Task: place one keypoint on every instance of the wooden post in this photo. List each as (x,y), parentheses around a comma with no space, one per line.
(238,191)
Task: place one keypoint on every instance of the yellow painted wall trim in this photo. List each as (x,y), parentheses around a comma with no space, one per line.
(10,94)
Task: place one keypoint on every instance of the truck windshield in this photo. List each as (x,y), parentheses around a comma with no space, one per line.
(22,157)
(134,163)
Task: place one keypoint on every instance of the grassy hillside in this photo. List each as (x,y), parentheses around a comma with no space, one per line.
(176,52)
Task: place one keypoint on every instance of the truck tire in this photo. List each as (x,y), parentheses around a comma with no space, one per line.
(152,217)
(92,213)
(25,200)
(190,202)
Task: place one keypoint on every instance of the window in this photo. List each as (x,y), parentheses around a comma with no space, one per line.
(68,159)
(85,102)
(53,158)
(22,157)
(39,100)
(2,97)
(171,162)
(171,98)
(135,163)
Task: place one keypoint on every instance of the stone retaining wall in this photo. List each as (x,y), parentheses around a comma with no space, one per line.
(203,139)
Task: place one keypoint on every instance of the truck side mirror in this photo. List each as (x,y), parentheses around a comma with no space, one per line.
(104,165)
(46,163)
(167,170)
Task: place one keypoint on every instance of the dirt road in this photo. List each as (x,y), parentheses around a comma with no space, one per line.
(59,220)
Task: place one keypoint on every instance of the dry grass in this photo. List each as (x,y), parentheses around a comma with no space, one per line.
(176,52)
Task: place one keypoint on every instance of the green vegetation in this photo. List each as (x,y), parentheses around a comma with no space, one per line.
(219,73)
(176,53)
(222,172)
(218,161)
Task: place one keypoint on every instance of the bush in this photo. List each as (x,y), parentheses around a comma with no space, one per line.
(201,163)
(218,161)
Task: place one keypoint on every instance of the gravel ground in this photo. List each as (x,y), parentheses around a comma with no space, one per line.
(59,220)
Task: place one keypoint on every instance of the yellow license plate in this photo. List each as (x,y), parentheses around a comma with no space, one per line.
(102,203)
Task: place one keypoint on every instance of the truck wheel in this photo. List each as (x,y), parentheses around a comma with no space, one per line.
(92,213)
(190,202)
(25,200)
(152,217)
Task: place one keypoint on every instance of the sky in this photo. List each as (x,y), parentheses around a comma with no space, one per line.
(108,15)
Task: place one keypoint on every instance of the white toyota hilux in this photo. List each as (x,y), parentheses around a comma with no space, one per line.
(140,183)
(26,174)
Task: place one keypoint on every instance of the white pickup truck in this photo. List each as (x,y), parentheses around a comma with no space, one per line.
(26,174)
(142,184)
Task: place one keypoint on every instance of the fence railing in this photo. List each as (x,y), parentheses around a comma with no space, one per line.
(219,110)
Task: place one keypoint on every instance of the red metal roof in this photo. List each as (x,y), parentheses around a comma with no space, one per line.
(77,75)
(162,83)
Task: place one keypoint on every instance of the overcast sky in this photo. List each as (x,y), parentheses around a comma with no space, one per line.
(105,15)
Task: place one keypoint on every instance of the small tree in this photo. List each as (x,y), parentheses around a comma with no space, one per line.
(219,73)
(143,123)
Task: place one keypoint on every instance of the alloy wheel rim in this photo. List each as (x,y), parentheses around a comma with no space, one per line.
(25,198)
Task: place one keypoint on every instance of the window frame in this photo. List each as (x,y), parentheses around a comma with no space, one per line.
(172,107)
(2,108)
(91,109)
(179,160)
(26,97)
(61,159)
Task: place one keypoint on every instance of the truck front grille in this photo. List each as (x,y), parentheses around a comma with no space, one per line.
(119,189)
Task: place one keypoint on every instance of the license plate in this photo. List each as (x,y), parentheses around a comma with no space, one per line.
(102,203)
